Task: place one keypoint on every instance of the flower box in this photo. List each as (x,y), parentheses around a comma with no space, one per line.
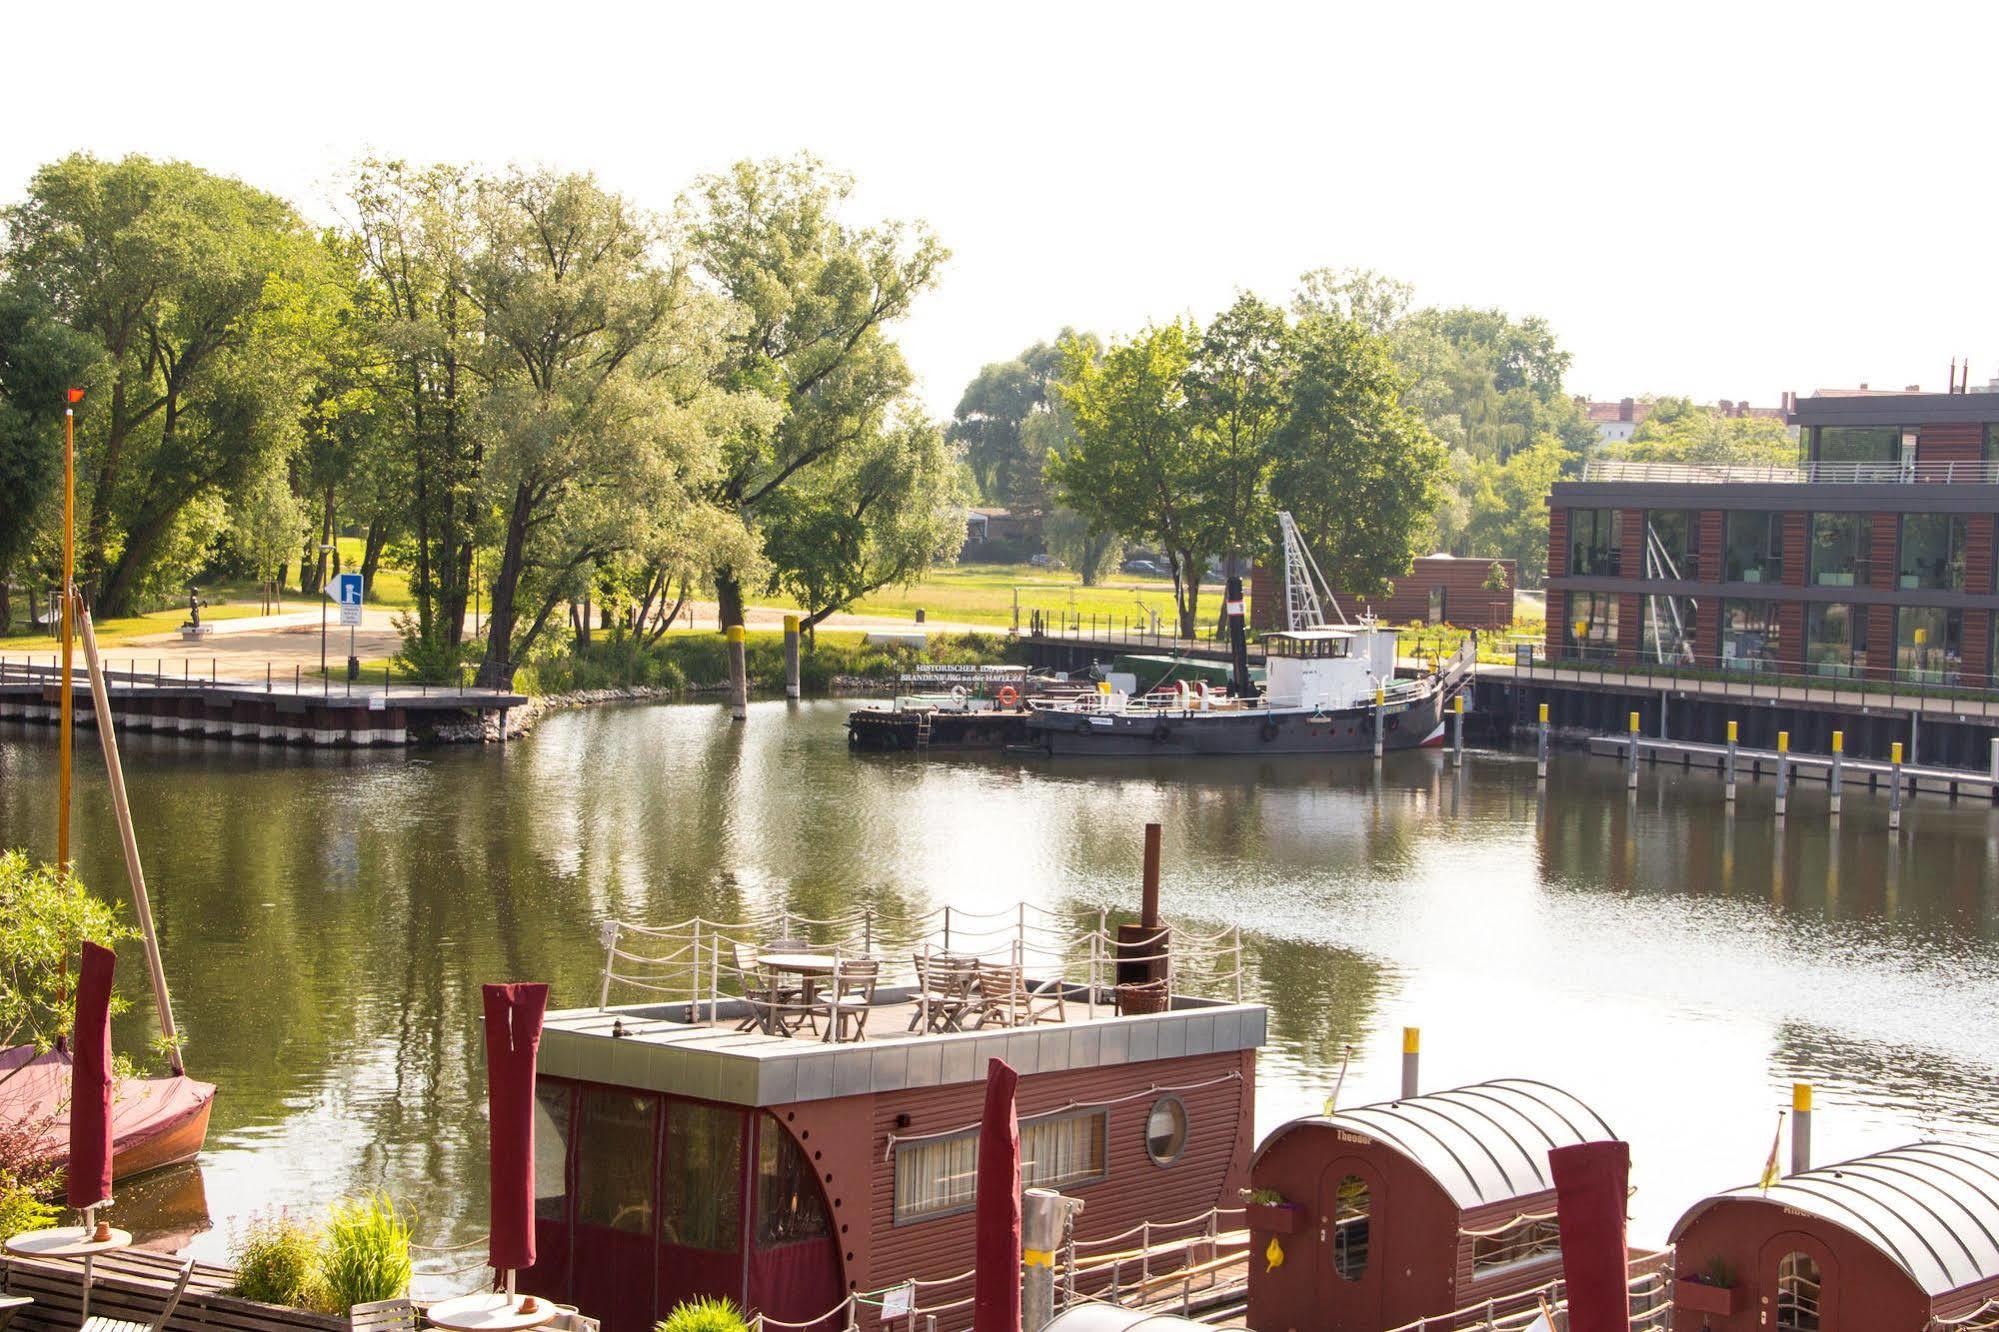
(1277,1218)
(1700,1297)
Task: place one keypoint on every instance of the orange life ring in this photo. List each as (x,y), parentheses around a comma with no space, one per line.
(1008,696)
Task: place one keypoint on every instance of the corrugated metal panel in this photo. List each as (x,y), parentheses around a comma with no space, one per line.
(1484,1143)
(1931,1208)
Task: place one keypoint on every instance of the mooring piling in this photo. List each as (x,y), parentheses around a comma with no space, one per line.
(1838,768)
(1783,771)
(739,676)
(1895,785)
(1380,717)
(1412,1060)
(1541,751)
(1728,781)
(1801,1127)
(1631,768)
(791,656)
(1458,731)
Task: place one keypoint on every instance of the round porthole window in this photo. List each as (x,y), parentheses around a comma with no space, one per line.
(1166,1130)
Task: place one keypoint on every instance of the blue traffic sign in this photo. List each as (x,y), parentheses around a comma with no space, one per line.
(347,589)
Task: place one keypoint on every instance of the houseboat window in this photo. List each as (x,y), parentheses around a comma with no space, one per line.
(1749,636)
(704,1176)
(1842,549)
(1596,540)
(1929,644)
(1589,630)
(1797,1293)
(1525,1241)
(615,1133)
(1166,1130)
(1350,1227)
(1753,550)
(1836,640)
(1858,444)
(1669,630)
(1672,539)
(790,1208)
(551,1151)
(1933,550)
(937,1177)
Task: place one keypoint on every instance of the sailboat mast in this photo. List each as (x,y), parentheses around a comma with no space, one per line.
(142,906)
(68,600)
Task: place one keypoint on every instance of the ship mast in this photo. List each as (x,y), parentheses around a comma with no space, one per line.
(1306,591)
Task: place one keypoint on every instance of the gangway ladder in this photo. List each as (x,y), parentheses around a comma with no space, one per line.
(1306,591)
(923,728)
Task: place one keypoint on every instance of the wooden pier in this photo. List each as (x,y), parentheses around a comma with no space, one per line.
(277,710)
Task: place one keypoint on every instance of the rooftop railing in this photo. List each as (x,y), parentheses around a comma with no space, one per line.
(1910,473)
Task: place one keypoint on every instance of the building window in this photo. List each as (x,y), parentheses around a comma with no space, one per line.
(1929,644)
(1166,1130)
(1933,550)
(1836,640)
(1858,444)
(1842,550)
(615,1134)
(1350,1227)
(1669,630)
(551,1150)
(1525,1241)
(790,1208)
(1589,631)
(1672,540)
(1437,608)
(1749,639)
(1797,1293)
(1753,550)
(937,1177)
(704,1177)
(1596,541)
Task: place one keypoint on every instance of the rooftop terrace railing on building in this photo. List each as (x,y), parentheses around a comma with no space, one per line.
(1782,681)
(1909,473)
(703,962)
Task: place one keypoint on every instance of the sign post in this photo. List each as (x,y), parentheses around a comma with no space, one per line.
(347,591)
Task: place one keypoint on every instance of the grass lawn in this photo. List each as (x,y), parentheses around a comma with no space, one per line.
(113,632)
(985,594)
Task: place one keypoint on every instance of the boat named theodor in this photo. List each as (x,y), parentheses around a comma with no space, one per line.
(1325,691)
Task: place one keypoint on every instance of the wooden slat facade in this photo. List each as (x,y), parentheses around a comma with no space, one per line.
(1951,441)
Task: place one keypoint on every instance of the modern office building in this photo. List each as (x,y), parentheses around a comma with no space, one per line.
(1869,558)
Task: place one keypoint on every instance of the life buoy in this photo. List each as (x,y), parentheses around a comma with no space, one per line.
(1270,729)
(1008,696)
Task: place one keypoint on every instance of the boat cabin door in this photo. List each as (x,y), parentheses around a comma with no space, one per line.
(1797,1285)
(1348,1259)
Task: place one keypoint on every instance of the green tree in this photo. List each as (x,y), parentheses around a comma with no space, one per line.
(39,358)
(1355,464)
(1677,430)
(204,296)
(42,916)
(598,405)
(994,420)
(1509,507)
(815,300)
(1135,466)
(267,520)
(1238,390)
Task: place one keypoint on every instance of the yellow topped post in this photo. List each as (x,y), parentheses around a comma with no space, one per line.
(1838,777)
(1544,714)
(1634,723)
(1801,1127)
(1839,742)
(791,656)
(1459,704)
(1895,752)
(1412,1053)
(1783,742)
(1731,733)
(739,674)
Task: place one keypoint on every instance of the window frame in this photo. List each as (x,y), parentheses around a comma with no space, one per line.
(1770,568)
(1957,543)
(1861,545)
(1605,554)
(1535,1232)
(1186,1130)
(1101,1114)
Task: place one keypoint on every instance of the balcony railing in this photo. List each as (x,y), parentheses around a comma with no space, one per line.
(1910,473)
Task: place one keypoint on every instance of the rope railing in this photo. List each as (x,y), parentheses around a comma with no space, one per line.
(1649,1293)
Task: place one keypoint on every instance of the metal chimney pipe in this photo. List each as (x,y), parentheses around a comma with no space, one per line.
(1801,1127)
(1412,1056)
(1148,915)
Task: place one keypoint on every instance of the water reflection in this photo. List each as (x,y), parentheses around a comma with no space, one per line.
(327,919)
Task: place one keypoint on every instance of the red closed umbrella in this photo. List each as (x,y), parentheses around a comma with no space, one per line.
(89,1167)
(1591,1181)
(996,1251)
(513,1032)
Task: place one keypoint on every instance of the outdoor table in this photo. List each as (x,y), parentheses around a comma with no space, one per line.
(810,967)
(69,1242)
(489,1311)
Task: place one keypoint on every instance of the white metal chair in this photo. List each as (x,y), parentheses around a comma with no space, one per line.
(99,1323)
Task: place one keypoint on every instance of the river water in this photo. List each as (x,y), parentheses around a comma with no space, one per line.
(327,919)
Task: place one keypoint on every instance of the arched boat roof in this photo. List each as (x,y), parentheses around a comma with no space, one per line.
(1483,1144)
(1931,1208)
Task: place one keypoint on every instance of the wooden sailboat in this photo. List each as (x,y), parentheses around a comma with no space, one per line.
(155,1122)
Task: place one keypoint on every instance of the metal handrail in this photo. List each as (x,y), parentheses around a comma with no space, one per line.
(1784,677)
(1910,472)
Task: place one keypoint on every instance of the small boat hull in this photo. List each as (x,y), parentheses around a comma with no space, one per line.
(1155,734)
(155,1122)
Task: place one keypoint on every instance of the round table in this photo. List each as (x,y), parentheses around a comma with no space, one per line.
(69,1242)
(489,1311)
(805,964)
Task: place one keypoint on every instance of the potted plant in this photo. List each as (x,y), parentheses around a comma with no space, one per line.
(1712,1290)
(704,1314)
(1265,1209)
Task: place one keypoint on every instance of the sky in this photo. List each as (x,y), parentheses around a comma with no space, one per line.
(1725,200)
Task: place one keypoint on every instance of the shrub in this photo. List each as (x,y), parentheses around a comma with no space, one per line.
(435,662)
(367,1253)
(27,1177)
(705,1314)
(277,1259)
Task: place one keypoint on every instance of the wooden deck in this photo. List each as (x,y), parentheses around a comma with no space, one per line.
(134,1286)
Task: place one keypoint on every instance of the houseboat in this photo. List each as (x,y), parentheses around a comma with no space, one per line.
(813,1136)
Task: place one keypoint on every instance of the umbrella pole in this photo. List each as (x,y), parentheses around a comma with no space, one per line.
(68,605)
(107,736)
